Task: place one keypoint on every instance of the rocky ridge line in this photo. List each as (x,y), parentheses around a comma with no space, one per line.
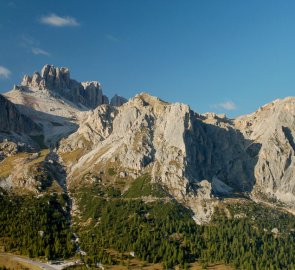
(58,80)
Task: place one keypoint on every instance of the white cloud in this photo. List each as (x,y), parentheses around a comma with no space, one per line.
(4,72)
(39,51)
(27,41)
(32,45)
(227,105)
(59,21)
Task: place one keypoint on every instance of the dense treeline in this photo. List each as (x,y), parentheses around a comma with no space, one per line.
(165,232)
(111,225)
(265,218)
(35,226)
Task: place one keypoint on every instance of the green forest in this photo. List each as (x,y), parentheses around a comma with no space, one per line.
(164,231)
(35,226)
(160,231)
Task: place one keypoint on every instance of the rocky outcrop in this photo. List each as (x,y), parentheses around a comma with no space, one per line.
(194,157)
(97,126)
(272,126)
(57,80)
(93,94)
(11,120)
(16,130)
(180,148)
(117,100)
(7,149)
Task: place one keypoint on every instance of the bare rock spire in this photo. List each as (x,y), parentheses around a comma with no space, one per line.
(58,80)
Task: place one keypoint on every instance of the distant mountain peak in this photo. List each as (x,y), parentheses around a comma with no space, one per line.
(117,100)
(58,80)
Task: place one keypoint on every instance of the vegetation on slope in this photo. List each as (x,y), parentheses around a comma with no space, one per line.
(160,230)
(35,226)
(163,231)
(142,186)
(28,159)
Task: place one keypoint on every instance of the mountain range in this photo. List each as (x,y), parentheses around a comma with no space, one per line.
(58,135)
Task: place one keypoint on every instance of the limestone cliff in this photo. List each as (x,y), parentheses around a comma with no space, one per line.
(272,127)
(58,80)
(11,120)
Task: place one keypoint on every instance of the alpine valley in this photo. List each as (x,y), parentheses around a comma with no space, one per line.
(143,183)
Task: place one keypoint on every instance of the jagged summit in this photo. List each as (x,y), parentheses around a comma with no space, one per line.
(148,98)
(59,81)
(54,100)
(117,100)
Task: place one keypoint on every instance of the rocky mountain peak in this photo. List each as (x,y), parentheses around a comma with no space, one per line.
(92,84)
(155,104)
(117,100)
(55,77)
(147,98)
(58,81)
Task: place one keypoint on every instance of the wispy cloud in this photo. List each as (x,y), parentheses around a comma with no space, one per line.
(227,105)
(39,51)
(4,72)
(112,38)
(28,41)
(33,46)
(58,21)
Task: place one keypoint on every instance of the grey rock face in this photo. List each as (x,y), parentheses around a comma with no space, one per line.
(7,149)
(272,126)
(117,100)
(216,149)
(58,81)
(15,131)
(11,120)
(178,147)
(93,94)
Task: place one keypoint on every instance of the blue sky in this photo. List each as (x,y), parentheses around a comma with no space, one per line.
(215,55)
